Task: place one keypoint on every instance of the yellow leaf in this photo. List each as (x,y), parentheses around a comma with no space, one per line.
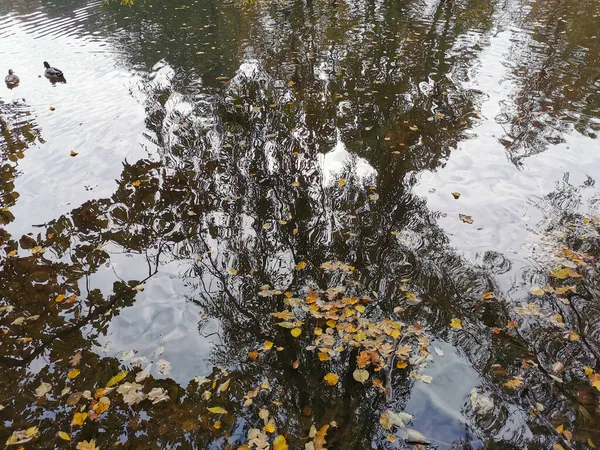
(573,336)
(268,345)
(79,418)
(557,446)
(514,383)
(64,436)
(87,445)
(233,271)
(456,323)
(60,298)
(217,424)
(74,153)
(591,443)
(456,195)
(102,405)
(270,427)
(217,410)
(342,182)
(560,429)
(565,272)
(537,291)
(488,296)
(12,253)
(73,373)
(391,438)
(401,364)
(117,378)
(223,387)
(279,443)
(296,332)
(323,356)
(385,421)
(136,183)
(360,308)
(301,265)
(395,334)
(253,354)
(360,375)
(331,379)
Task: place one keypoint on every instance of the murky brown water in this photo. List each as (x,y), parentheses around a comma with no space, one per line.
(210,141)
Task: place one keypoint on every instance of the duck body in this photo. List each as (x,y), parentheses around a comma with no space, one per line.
(52,72)
(11,79)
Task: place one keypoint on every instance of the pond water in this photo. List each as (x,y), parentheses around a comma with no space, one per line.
(441,151)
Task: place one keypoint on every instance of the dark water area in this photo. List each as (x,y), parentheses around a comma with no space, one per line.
(250,206)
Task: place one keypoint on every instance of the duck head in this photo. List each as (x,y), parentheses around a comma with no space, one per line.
(46,65)
(10,71)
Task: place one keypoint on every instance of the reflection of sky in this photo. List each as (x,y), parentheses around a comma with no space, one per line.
(500,196)
(333,163)
(162,315)
(437,406)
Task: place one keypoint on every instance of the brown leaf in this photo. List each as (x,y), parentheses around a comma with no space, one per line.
(465,219)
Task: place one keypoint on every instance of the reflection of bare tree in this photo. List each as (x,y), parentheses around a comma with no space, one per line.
(556,74)
(241,194)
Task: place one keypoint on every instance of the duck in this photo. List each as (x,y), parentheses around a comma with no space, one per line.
(52,72)
(11,79)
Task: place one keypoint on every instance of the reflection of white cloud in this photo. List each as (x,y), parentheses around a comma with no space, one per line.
(333,163)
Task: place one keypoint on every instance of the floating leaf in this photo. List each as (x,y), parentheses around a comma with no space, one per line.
(117,378)
(253,354)
(331,379)
(360,375)
(73,373)
(488,296)
(514,383)
(64,436)
(456,323)
(342,182)
(301,265)
(537,291)
(456,195)
(87,445)
(270,427)
(296,332)
(223,387)
(79,418)
(323,356)
(268,345)
(43,389)
(563,273)
(157,395)
(279,443)
(217,410)
(385,421)
(60,298)
(465,219)
(22,436)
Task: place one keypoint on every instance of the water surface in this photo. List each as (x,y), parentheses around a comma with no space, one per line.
(200,150)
